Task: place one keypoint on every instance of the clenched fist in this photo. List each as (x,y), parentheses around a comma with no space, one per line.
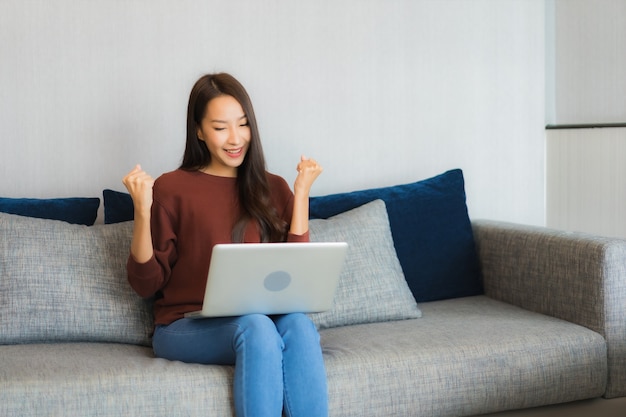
(308,171)
(139,185)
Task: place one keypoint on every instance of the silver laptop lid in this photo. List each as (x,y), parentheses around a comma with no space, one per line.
(272,278)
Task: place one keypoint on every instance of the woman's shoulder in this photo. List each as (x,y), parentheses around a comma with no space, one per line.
(185,182)
(173,178)
(179,182)
(276,182)
(280,190)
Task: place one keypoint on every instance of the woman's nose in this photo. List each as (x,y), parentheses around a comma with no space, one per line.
(234,136)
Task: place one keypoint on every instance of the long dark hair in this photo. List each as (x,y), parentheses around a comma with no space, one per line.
(252,184)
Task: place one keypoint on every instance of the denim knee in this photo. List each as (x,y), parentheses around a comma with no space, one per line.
(259,332)
(297,324)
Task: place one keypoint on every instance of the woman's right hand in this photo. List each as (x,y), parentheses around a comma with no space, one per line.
(139,184)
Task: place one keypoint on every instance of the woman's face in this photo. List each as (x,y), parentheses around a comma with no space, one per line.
(226,133)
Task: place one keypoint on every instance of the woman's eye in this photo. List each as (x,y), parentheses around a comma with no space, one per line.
(218,129)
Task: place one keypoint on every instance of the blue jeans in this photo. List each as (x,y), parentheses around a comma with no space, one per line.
(278,360)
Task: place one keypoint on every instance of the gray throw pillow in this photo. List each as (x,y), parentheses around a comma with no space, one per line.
(61,282)
(372,287)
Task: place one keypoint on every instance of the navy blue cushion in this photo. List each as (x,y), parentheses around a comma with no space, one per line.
(77,210)
(431,230)
(118,207)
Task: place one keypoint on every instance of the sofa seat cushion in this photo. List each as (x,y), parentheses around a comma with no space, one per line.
(79,379)
(465,356)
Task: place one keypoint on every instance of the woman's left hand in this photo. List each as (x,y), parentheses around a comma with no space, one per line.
(308,171)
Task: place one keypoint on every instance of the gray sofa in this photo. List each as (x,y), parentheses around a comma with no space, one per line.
(546,337)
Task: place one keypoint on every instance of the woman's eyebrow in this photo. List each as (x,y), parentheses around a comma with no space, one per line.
(224,121)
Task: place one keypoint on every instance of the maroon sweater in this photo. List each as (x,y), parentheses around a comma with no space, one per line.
(191,212)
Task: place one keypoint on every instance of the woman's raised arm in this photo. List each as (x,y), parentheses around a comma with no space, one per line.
(308,171)
(139,185)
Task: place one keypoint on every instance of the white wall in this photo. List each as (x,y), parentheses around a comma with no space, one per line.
(589,44)
(586,180)
(379,91)
(586,168)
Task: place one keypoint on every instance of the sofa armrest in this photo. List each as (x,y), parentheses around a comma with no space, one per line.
(576,277)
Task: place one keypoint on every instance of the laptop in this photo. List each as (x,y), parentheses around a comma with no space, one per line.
(272,278)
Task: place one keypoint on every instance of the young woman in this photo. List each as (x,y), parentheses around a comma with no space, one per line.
(222,193)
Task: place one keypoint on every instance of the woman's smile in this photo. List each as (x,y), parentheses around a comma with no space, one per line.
(234,153)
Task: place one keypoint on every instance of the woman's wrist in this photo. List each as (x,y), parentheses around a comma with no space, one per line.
(300,215)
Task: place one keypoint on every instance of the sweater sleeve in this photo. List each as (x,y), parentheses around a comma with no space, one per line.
(149,277)
(298,238)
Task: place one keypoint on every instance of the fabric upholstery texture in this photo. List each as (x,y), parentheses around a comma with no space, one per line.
(371,286)
(573,276)
(108,380)
(465,356)
(61,282)
(431,230)
(550,328)
(76,210)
